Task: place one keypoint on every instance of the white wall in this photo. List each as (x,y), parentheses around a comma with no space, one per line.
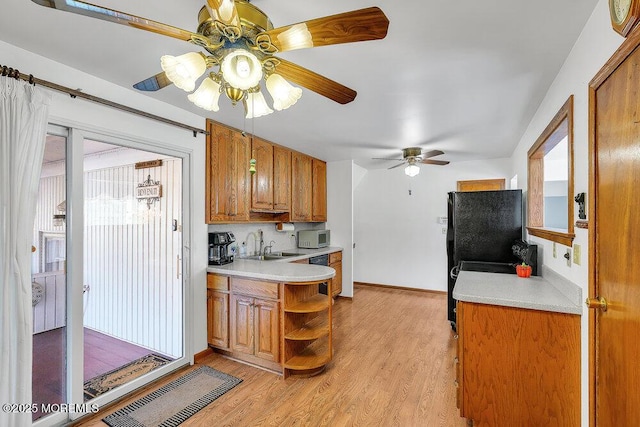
(340,216)
(398,239)
(592,49)
(96,118)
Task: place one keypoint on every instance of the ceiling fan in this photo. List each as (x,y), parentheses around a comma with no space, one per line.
(414,155)
(240,43)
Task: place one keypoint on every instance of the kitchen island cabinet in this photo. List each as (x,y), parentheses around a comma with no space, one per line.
(335,262)
(516,365)
(267,303)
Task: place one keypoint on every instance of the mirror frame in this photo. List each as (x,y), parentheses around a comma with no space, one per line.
(535,179)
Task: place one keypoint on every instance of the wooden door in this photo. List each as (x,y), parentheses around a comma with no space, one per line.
(281,179)
(262,179)
(218,318)
(482,185)
(266,330)
(241,324)
(319,191)
(614,236)
(301,187)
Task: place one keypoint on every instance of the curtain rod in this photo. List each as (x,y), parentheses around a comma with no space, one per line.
(14,73)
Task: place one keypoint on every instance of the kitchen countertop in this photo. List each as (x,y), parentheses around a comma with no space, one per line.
(282,270)
(549,293)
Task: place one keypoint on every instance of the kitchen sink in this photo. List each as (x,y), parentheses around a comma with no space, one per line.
(273,256)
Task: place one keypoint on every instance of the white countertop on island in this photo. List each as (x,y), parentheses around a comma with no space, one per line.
(509,290)
(282,270)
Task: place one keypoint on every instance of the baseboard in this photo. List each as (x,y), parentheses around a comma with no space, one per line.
(402,288)
(197,358)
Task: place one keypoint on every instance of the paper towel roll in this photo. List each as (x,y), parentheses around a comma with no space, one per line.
(284,226)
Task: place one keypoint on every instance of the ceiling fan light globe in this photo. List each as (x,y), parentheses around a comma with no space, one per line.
(283,93)
(412,170)
(207,95)
(241,69)
(256,105)
(296,37)
(184,70)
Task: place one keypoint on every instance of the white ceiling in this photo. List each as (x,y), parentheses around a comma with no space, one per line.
(464,77)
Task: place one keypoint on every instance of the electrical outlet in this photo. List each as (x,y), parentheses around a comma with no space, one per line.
(444,230)
(567,256)
(576,254)
(555,252)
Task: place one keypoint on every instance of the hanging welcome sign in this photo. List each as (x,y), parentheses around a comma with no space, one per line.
(149,191)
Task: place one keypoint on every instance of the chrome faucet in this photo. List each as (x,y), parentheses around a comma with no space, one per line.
(261,250)
(269,246)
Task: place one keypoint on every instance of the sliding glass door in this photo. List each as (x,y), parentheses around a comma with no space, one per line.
(109,239)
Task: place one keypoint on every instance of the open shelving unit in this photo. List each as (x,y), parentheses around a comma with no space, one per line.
(306,328)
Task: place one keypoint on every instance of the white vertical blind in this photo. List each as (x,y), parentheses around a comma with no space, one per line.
(131,264)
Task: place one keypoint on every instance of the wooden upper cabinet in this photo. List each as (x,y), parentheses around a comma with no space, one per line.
(301,187)
(271,184)
(262,181)
(319,191)
(281,179)
(227,174)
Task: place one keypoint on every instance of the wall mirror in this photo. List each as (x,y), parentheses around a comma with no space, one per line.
(550,180)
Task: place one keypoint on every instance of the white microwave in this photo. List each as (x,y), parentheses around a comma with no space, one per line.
(314,238)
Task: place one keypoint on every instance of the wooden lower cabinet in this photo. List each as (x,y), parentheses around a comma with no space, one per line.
(517,366)
(243,319)
(335,262)
(218,318)
(254,327)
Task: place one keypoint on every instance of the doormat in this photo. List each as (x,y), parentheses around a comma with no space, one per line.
(122,375)
(173,403)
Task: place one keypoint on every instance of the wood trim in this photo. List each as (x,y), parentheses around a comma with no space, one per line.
(551,135)
(481,184)
(200,356)
(402,288)
(554,236)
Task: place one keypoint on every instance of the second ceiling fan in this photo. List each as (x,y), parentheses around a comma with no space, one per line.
(412,156)
(240,43)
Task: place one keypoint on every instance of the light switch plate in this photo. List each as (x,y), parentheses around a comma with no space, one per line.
(576,254)
(555,252)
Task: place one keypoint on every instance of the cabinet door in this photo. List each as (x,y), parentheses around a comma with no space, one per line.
(262,180)
(337,279)
(301,182)
(241,324)
(319,186)
(281,179)
(227,175)
(266,330)
(218,319)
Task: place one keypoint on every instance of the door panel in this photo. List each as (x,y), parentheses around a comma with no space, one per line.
(267,344)
(242,332)
(615,246)
(262,179)
(218,318)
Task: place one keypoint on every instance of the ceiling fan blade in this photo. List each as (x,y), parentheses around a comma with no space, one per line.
(396,166)
(385,158)
(355,26)
(153,83)
(434,162)
(431,153)
(111,15)
(224,11)
(315,82)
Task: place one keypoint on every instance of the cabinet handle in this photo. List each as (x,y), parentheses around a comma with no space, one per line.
(456,383)
(455,337)
(456,360)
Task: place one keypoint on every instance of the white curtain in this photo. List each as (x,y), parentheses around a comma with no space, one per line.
(24,111)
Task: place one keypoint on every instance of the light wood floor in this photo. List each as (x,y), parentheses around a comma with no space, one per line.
(392,366)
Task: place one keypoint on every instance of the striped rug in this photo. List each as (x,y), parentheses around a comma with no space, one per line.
(173,403)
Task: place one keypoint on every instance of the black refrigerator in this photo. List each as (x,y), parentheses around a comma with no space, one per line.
(481,226)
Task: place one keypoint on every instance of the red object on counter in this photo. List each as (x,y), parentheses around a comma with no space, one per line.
(523,270)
